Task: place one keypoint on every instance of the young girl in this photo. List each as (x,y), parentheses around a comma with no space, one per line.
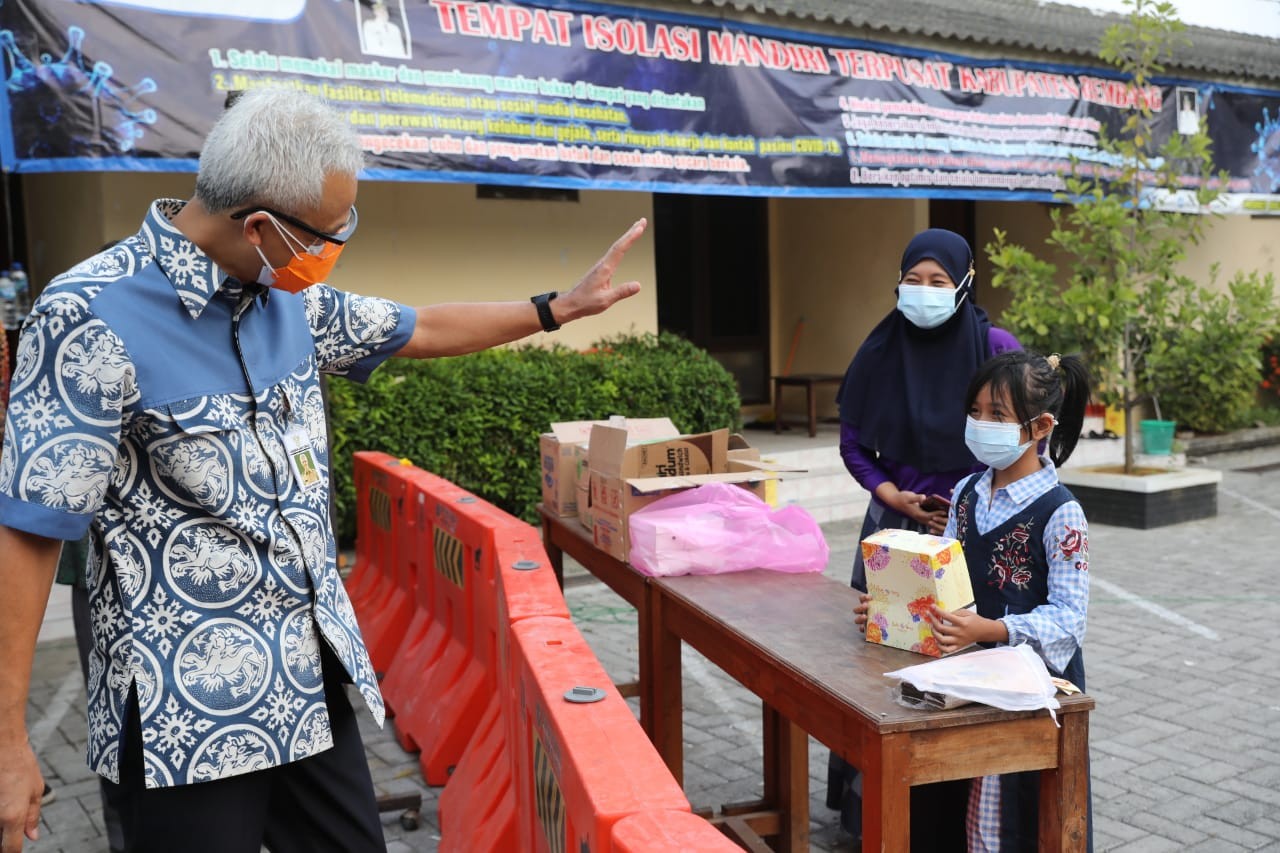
(1025,542)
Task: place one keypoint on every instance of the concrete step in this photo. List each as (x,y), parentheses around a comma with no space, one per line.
(825,489)
(824,508)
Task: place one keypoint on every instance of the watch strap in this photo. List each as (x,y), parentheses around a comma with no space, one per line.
(543,303)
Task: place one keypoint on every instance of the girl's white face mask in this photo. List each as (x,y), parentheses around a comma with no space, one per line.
(994,444)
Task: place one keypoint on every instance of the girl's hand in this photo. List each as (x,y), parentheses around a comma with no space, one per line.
(860,612)
(961,628)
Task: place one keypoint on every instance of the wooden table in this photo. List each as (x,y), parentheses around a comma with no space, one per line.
(807,381)
(562,536)
(791,640)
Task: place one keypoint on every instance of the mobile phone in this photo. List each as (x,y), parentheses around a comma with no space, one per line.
(933,503)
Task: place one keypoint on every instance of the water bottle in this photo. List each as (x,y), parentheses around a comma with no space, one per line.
(21,291)
(8,302)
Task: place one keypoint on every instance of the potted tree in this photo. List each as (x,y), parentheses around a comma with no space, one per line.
(1120,297)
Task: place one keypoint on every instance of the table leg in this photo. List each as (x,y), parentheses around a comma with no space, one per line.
(1064,790)
(786,779)
(813,410)
(648,612)
(777,406)
(886,794)
(665,690)
(554,553)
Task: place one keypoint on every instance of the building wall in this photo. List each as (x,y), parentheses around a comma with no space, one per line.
(833,262)
(1236,243)
(418,243)
(1024,223)
(834,267)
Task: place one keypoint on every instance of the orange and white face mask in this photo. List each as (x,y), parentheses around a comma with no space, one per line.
(310,264)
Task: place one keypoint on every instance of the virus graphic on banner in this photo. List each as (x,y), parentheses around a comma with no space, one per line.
(69,107)
(1267,147)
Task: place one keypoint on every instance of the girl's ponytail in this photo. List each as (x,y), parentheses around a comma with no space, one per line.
(1037,384)
(1075,397)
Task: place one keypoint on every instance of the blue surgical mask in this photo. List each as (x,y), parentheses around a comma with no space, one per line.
(929,307)
(994,444)
(926,307)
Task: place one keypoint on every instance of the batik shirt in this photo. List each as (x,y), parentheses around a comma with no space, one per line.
(152,396)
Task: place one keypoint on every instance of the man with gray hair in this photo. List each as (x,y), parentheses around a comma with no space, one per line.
(166,399)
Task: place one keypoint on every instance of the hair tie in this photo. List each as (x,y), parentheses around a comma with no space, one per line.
(1054,360)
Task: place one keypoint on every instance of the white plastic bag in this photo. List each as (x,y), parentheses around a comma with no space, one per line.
(718,528)
(1010,677)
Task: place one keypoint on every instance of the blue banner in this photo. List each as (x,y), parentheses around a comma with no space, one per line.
(579,95)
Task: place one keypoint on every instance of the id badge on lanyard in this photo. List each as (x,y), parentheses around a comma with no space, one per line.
(302,456)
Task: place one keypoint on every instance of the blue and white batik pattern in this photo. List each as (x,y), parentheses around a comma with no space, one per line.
(151,396)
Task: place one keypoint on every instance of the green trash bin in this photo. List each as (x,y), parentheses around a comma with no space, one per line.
(1157,437)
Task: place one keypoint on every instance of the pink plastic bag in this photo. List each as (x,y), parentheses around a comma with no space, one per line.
(718,528)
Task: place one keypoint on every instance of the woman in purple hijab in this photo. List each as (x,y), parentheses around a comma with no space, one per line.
(902,415)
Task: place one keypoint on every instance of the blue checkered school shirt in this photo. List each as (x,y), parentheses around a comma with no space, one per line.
(150,401)
(1056,628)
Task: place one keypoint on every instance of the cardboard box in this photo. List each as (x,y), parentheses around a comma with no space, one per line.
(624,476)
(610,525)
(583,486)
(906,572)
(563,456)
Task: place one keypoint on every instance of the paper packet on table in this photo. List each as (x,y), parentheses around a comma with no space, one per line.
(1013,678)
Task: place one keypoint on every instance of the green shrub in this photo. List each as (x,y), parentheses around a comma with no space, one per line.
(475,419)
(1207,373)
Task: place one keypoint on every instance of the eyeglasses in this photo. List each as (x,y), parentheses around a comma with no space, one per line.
(338,238)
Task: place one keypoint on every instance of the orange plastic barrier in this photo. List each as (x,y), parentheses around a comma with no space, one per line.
(439,560)
(674,831)
(441,718)
(478,805)
(425,636)
(374,528)
(384,602)
(581,760)
(488,677)
(526,582)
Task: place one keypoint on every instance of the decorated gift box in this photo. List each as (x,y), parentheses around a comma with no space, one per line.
(907,572)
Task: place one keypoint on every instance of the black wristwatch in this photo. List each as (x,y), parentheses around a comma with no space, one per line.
(543,303)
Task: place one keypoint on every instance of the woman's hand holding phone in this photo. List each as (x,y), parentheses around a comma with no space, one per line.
(937,506)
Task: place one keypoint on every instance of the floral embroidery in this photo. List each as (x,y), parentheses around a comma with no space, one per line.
(1073,543)
(1011,559)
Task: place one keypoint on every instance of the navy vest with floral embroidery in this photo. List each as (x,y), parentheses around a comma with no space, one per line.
(1007,565)
(1010,574)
